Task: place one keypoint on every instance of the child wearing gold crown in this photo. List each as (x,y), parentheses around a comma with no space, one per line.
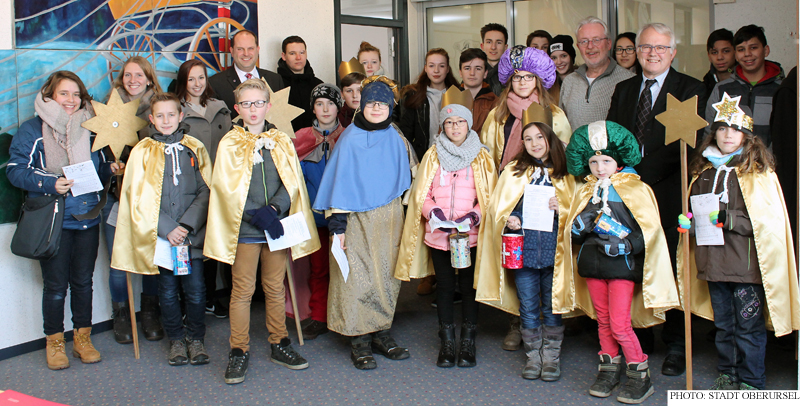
(623,259)
(541,162)
(454,181)
(754,267)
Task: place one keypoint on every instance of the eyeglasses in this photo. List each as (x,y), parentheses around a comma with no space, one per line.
(660,49)
(627,50)
(518,78)
(451,123)
(594,41)
(377,105)
(258,103)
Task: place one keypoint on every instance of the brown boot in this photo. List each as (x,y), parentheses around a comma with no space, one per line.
(427,285)
(82,346)
(56,354)
(513,337)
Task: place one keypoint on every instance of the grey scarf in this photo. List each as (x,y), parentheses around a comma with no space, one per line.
(65,141)
(453,158)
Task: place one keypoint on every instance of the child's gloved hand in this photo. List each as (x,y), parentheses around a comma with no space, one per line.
(584,222)
(471,216)
(718,217)
(684,222)
(439,214)
(614,246)
(266,218)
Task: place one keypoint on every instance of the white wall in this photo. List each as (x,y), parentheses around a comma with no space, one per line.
(310,19)
(6,24)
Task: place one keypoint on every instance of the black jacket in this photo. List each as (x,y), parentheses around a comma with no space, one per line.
(300,94)
(414,123)
(225,82)
(661,166)
(783,132)
(493,79)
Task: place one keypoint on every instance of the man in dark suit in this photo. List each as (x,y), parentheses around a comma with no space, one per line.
(244,51)
(635,104)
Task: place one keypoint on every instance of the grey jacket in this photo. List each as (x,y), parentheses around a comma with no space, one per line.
(211,127)
(275,191)
(584,103)
(184,204)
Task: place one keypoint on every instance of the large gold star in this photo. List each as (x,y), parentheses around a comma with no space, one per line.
(681,120)
(115,124)
(282,113)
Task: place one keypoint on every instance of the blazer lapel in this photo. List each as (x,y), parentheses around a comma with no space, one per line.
(233,78)
(660,105)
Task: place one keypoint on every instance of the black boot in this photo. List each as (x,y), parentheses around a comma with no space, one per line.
(638,387)
(447,351)
(361,352)
(151,318)
(466,351)
(610,369)
(121,314)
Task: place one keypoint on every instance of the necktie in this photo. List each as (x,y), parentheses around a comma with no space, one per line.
(643,111)
(248,75)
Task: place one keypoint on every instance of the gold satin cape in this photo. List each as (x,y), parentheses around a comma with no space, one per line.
(493,134)
(414,259)
(140,203)
(494,284)
(233,171)
(657,293)
(774,251)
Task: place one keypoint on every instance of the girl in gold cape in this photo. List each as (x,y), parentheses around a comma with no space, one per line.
(454,181)
(727,284)
(497,286)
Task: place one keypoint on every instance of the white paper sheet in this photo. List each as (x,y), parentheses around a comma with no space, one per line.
(536,214)
(295,231)
(340,256)
(112,215)
(85,177)
(436,223)
(706,233)
(163,257)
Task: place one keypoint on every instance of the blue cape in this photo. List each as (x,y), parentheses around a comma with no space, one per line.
(367,170)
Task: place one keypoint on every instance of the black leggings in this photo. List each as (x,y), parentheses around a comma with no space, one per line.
(446,287)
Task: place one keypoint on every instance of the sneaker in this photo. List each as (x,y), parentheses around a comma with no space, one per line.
(214,308)
(237,366)
(312,328)
(744,386)
(197,352)
(284,354)
(725,382)
(177,353)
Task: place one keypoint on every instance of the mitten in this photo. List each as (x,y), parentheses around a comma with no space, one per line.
(266,218)
(439,214)
(472,216)
(718,218)
(684,222)
(614,246)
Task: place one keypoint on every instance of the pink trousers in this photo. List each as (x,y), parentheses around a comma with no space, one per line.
(612,302)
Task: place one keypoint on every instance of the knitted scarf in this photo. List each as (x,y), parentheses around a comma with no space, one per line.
(65,141)
(516,105)
(453,158)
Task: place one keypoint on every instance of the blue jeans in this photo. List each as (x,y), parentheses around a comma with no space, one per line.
(117,280)
(194,297)
(535,286)
(71,268)
(741,331)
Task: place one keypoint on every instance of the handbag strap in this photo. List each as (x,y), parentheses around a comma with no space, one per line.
(95,211)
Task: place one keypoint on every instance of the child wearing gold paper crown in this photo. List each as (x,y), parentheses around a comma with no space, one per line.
(165,193)
(611,263)
(733,166)
(257,182)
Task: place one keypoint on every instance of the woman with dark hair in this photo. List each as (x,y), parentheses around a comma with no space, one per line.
(625,52)
(562,52)
(40,149)
(721,55)
(418,115)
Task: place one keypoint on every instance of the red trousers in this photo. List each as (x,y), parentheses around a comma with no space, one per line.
(320,277)
(612,302)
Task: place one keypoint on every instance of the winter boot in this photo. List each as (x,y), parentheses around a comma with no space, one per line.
(122,322)
(466,351)
(447,351)
(513,337)
(56,354)
(610,370)
(532,339)
(361,352)
(638,387)
(82,346)
(551,353)
(151,318)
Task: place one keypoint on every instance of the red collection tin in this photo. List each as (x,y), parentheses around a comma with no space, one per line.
(512,251)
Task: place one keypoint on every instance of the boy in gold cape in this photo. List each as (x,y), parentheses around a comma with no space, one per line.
(257,181)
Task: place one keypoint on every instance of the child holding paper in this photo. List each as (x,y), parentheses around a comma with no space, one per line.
(166,190)
(735,168)
(611,265)
(257,182)
(540,163)
(454,181)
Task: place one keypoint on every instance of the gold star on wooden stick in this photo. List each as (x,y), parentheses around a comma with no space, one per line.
(115,124)
(282,113)
(681,120)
